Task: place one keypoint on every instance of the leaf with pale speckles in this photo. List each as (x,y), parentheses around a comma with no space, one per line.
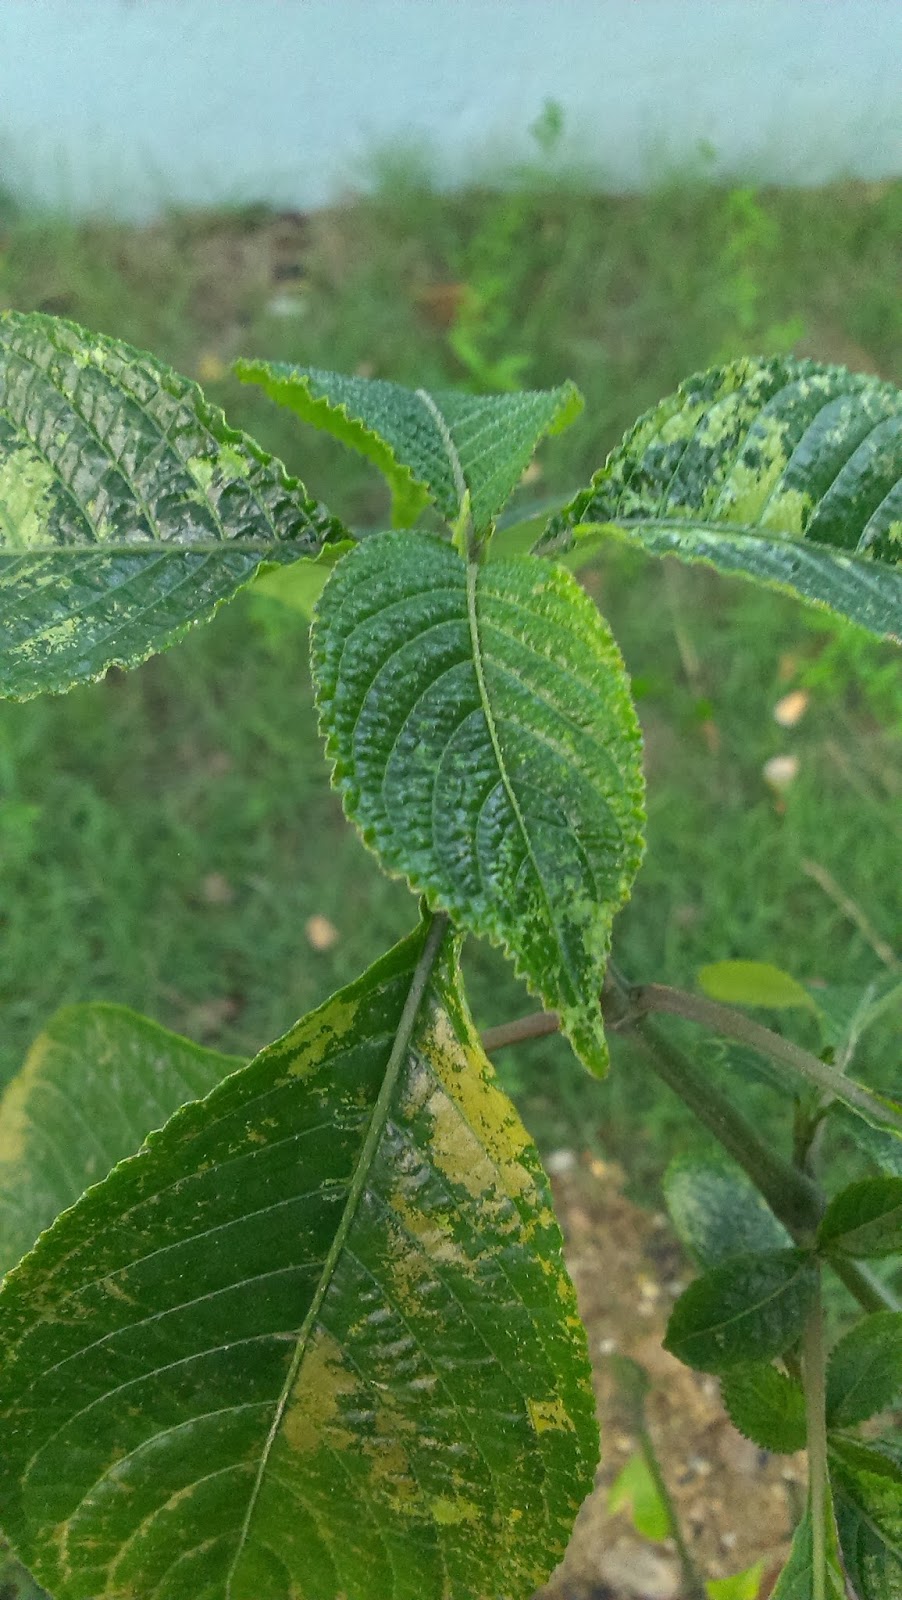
(780,470)
(484,742)
(442,446)
(129,510)
(717,1211)
(867,1487)
(315,1340)
(93,1085)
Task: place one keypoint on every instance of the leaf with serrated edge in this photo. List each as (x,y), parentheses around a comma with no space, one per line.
(864,1219)
(485,744)
(428,445)
(780,470)
(766,1406)
(129,510)
(864,1373)
(867,1486)
(717,1211)
(750,1308)
(796,1581)
(93,1086)
(315,1340)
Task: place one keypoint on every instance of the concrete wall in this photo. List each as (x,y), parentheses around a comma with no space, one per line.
(129,104)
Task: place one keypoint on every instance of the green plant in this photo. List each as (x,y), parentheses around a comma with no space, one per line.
(313,1336)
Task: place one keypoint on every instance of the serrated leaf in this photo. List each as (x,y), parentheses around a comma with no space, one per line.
(129,510)
(93,1086)
(717,1211)
(864,1373)
(796,1581)
(739,1585)
(750,1308)
(864,1219)
(780,470)
(484,742)
(635,1490)
(867,1487)
(752,983)
(767,1407)
(315,1340)
(429,446)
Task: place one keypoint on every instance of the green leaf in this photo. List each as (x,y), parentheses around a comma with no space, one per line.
(752,983)
(429,446)
(750,1308)
(128,509)
(717,1211)
(636,1490)
(767,1407)
(300,585)
(739,1586)
(484,741)
(864,1374)
(847,1011)
(865,1219)
(883,1146)
(315,1340)
(796,1581)
(93,1085)
(15,1583)
(780,470)
(867,1486)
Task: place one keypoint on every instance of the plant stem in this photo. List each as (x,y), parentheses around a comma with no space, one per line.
(693,1584)
(538,1025)
(814,1363)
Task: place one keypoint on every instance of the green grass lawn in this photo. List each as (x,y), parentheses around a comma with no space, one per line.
(165,836)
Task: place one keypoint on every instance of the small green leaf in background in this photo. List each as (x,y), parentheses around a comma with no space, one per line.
(129,510)
(780,470)
(750,1308)
(864,1373)
(93,1086)
(429,446)
(315,1340)
(739,1586)
(864,1219)
(484,742)
(717,1211)
(752,983)
(867,1486)
(300,585)
(766,1406)
(882,1145)
(635,1490)
(796,1581)
(846,1012)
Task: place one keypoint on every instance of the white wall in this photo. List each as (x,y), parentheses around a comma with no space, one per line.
(129,104)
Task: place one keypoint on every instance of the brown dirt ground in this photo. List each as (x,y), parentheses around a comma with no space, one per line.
(736,1504)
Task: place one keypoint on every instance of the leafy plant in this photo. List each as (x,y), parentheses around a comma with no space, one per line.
(300,1327)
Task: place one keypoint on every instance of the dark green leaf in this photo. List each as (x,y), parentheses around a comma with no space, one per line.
(780,470)
(430,446)
(751,1308)
(94,1084)
(766,1406)
(128,509)
(865,1219)
(867,1487)
(864,1375)
(484,742)
(796,1581)
(315,1340)
(717,1211)
(752,983)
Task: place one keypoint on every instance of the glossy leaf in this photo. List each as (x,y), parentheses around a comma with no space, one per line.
(767,1407)
(129,510)
(750,1308)
(864,1219)
(717,1211)
(437,446)
(864,1374)
(93,1086)
(752,983)
(780,470)
(315,1340)
(867,1486)
(796,1581)
(484,742)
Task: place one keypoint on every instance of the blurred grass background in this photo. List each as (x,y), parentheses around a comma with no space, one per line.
(166,836)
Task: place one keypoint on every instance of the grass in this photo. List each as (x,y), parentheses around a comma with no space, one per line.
(164,837)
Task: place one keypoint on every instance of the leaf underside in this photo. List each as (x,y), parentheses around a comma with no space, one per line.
(316,1340)
(717,1211)
(780,470)
(429,446)
(129,510)
(93,1085)
(485,744)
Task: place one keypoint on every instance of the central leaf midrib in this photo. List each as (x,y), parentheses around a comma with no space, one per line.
(368,1151)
